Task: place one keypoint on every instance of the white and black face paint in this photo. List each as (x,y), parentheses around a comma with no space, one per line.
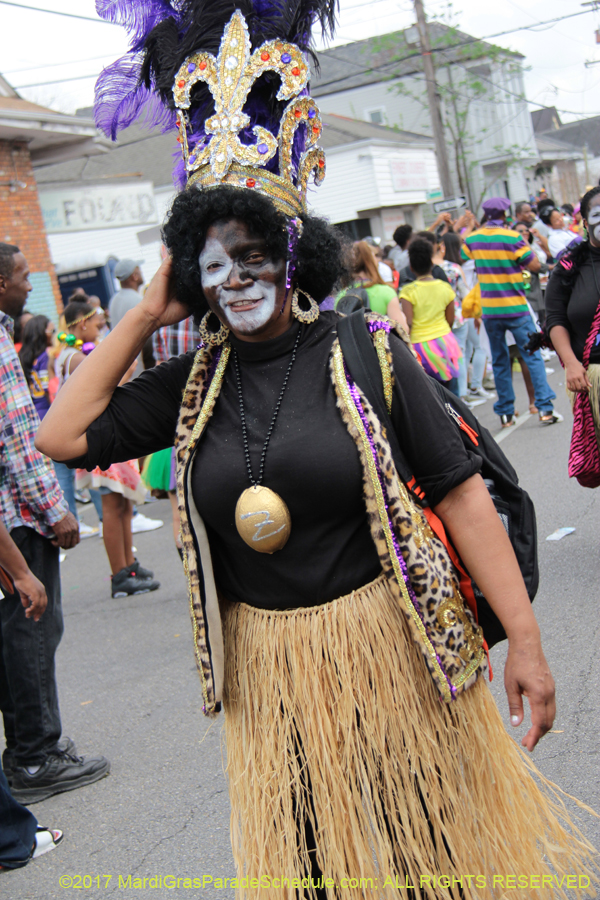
(246,310)
(594,223)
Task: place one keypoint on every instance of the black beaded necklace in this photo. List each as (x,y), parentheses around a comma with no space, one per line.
(261,516)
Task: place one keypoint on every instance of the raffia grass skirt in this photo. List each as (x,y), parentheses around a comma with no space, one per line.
(333,719)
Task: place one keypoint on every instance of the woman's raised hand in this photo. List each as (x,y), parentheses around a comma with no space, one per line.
(159,301)
(577,377)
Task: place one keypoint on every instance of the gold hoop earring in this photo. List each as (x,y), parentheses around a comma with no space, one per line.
(214,338)
(306,316)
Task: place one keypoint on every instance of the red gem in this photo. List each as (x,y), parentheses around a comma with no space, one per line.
(250,182)
(321,163)
(203,65)
(179,140)
(298,113)
(296,71)
(316,129)
(265,56)
(181,83)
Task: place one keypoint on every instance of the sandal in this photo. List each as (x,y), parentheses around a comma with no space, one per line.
(550,418)
(46,839)
(507,420)
(533,409)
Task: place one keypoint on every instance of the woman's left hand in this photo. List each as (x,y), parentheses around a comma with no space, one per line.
(527,673)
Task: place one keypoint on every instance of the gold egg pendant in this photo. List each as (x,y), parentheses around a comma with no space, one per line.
(263,519)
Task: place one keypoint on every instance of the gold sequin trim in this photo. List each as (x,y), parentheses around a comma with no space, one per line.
(199,426)
(386,375)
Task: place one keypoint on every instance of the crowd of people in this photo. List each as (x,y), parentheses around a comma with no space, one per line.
(500,266)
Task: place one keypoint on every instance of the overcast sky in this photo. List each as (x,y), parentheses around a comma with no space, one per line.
(37,47)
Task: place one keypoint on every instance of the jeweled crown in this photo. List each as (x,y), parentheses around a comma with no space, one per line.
(220,157)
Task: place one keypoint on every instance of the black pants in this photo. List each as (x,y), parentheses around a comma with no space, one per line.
(28,692)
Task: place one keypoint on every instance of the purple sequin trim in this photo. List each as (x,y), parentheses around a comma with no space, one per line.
(293,227)
(356,398)
(379,326)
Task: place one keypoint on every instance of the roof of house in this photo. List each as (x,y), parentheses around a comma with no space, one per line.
(394,55)
(551,146)
(150,157)
(583,132)
(545,119)
(50,135)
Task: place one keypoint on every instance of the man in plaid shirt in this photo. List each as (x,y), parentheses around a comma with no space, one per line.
(35,513)
(174,340)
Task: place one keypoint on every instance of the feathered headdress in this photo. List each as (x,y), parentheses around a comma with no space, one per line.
(233,78)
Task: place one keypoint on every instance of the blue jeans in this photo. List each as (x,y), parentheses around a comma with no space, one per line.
(520,327)
(17,829)
(66,479)
(461,334)
(28,691)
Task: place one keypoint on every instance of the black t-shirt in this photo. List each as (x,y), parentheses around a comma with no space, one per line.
(311,461)
(575,309)
(407,275)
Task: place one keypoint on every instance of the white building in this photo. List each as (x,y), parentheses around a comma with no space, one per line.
(381,80)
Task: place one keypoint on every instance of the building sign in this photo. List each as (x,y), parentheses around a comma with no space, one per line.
(409,175)
(86,209)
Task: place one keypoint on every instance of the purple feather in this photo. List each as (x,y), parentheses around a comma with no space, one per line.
(138,16)
(121,99)
(120,96)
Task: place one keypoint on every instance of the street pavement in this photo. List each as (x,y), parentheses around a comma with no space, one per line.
(129,690)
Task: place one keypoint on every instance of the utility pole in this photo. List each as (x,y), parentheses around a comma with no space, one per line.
(434,101)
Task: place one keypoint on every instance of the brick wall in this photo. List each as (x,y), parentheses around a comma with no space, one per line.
(22,223)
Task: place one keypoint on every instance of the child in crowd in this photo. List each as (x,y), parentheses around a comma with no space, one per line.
(37,338)
(120,485)
(428,305)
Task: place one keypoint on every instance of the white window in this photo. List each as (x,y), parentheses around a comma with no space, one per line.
(377,115)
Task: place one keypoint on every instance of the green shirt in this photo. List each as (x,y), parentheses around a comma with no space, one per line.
(379,296)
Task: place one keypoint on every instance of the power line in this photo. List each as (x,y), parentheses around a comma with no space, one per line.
(71,62)
(417,53)
(55,12)
(19,87)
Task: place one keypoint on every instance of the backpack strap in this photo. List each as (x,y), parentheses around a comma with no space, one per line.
(364,366)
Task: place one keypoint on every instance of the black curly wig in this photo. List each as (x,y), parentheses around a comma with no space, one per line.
(319,253)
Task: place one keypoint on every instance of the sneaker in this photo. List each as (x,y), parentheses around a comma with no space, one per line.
(140,571)
(61,772)
(83,497)
(86,531)
(126,583)
(142,523)
(550,418)
(472,401)
(480,392)
(65,745)
(507,421)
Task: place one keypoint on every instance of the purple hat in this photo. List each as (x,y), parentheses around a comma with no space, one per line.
(495,205)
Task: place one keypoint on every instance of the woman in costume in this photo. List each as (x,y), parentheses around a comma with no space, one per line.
(573,310)
(327,617)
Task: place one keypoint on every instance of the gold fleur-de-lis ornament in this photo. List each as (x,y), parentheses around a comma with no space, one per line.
(224,159)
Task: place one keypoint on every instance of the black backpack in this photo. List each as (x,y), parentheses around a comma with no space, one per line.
(513,504)
(354,299)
